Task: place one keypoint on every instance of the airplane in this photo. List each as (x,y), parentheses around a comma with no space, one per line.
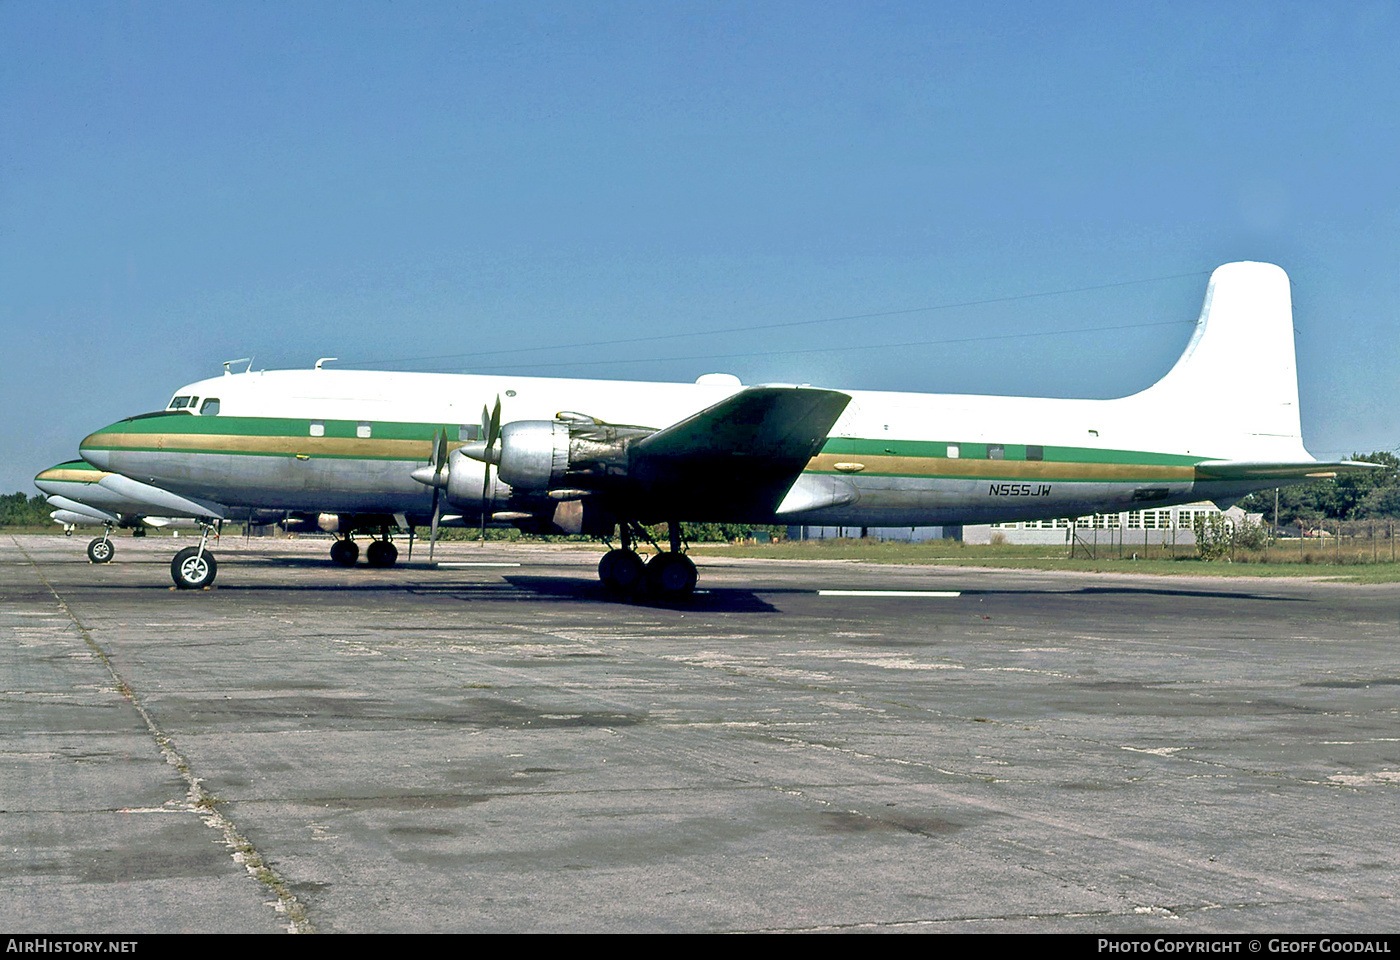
(366,447)
(87,496)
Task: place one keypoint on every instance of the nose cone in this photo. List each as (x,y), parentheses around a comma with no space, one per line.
(44,479)
(92,451)
(63,479)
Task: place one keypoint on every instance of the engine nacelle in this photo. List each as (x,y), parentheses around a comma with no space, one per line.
(466,478)
(534,454)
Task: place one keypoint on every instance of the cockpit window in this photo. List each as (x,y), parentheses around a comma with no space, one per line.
(210,408)
(179,403)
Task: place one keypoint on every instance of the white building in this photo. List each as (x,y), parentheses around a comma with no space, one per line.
(1164,525)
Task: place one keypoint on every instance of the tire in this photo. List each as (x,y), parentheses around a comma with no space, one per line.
(381,553)
(101,550)
(671,576)
(622,571)
(345,552)
(191,571)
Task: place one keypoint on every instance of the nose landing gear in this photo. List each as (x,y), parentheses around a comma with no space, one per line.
(195,567)
(102,549)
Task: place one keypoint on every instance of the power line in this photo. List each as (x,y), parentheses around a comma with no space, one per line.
(786,325)
(844,348)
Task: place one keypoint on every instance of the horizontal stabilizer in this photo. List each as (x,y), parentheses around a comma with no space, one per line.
(1292,471)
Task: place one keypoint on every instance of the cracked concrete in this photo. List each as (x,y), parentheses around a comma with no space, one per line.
(503,749)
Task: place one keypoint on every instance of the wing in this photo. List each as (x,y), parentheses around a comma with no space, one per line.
(736,459)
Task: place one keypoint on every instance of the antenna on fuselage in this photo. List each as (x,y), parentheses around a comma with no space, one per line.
(229,363)
(323,360)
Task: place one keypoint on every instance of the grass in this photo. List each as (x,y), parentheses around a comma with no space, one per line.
(1353,563)
(1283,559)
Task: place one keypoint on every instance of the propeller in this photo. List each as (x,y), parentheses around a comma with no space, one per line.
(490,433)
(439,466)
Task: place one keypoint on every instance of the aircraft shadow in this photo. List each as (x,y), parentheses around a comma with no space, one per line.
(721,601)
(519,589)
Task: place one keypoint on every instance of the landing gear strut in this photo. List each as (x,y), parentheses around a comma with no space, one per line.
(667,576)
(195,567)
(101,549)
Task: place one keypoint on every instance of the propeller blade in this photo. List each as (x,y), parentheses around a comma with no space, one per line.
(491,430)
(485,491)
(494,433)
(439,453)
(432,538)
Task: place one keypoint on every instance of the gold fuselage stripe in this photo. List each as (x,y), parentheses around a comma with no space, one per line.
(349,447)
(883,465)
(73,475)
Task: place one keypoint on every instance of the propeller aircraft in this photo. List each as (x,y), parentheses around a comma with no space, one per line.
(374,449)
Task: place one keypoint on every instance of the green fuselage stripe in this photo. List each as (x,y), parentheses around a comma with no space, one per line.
(846,456)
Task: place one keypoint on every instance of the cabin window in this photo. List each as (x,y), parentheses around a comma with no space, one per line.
(210,408)
(954,451)
(996,451)
(469,432)
(362,431)
(318,428)
(1035,453)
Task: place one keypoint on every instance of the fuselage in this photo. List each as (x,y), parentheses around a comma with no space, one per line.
(348,441)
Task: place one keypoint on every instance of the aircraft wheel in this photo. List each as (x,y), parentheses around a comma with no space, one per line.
(621,571)
(671,576)
(345,552)
(381,553)
(101,550)
(191,570)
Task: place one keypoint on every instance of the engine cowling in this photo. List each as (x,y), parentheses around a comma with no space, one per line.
(572,456)
(534,454)
(466,479)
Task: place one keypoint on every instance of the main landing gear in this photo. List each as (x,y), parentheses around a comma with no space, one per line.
(666,576)
(345,552)
(380,553)
(195,567)
(102,549)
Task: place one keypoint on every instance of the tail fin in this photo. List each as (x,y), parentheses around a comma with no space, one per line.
(1237,380)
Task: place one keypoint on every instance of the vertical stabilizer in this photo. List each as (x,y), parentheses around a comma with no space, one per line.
(1237,380)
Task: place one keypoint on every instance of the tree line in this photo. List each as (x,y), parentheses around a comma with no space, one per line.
(1370,496)
(18,510)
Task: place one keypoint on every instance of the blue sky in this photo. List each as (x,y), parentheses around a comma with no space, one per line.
(183,183)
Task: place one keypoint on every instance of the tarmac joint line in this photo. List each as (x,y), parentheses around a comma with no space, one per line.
(197,798)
